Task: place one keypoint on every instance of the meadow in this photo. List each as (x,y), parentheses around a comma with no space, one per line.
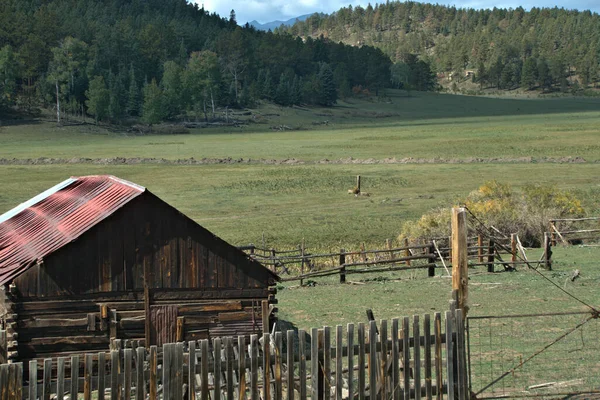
(414,153)
(453,145)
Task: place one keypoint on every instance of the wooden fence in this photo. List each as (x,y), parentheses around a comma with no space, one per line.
(300,264)
(390,360)
(574,230)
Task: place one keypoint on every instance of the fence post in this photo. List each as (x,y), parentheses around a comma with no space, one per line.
(343,269)
(265,316)
(547,251)
(302,262)
(431,270)
(491,254)
(460,272)
(273,265)
(407,251)
(513,248)
(552,229)
(480,248)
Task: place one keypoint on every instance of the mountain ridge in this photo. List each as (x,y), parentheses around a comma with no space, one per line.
(277,23)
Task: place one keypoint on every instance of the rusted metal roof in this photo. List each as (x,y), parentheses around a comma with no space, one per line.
(56,217)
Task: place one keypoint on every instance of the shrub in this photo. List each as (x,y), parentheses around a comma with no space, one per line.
(496,204)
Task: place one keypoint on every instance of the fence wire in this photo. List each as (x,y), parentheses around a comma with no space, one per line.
(541,356)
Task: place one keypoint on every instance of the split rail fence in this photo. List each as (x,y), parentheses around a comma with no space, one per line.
(574,230)
(408,358)
(300,264)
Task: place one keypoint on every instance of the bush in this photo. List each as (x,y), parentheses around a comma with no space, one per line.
(524,212)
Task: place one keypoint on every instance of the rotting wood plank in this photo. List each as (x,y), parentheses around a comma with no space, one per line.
(33,377)
(302,362)
(87,377)
(204,394)
(191,370)
(74,374)
(153,366)
(427,354)
(361,361)
(326,363)
(101,375)
(406,357)
(47,379)
(373,360)
(217,368)
(417,359)
(350,345)
(450,356)
(254,394)
(290,369)
(339,358)
(278,393)
(438,354)
(396,390)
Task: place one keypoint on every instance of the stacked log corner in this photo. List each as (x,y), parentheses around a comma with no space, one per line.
(9,335)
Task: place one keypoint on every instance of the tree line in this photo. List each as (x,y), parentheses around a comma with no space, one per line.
(507,48)
(161,59)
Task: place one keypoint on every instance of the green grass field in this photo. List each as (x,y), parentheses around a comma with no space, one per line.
(283,203)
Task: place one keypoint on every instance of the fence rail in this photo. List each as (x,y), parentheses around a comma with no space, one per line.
(574,230)
(407,358)
(300,264)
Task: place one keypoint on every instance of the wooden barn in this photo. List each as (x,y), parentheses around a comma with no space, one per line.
(97,258)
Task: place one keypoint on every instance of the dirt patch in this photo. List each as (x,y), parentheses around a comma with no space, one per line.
(287,161)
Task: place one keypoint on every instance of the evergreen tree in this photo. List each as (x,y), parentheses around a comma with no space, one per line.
(117,97)
(98,98)
(153,110)
(282,93)
(530,73)
(8,76)
(172,89)
(268,91)
(133,94)
(544,76)
(327,92)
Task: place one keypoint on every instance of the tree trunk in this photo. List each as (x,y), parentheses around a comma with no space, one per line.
(212,101)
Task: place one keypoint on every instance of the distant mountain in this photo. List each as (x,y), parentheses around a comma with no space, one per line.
(276,24)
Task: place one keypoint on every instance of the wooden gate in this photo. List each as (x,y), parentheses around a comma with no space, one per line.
(163,325)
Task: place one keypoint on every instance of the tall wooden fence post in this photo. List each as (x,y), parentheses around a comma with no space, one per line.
(547,251)
(491,255)
(342,263)
(265,316)
(273,262)
(460,272)
(513,248)
(552,229)
(431,269)
(480,248)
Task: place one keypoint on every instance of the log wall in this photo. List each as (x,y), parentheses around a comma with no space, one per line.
(57,328)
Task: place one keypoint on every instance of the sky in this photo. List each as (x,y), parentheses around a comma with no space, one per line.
(270,10)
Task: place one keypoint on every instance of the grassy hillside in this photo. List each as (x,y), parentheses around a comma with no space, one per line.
(462,142)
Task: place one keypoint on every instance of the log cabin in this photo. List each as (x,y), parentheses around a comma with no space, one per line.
(98,258)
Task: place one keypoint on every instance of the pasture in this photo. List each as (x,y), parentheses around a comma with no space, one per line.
(414,153)
(274,188)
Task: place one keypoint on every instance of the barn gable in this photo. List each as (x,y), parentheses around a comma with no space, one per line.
(98,259)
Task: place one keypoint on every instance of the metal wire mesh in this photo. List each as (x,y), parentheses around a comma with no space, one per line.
(534,356)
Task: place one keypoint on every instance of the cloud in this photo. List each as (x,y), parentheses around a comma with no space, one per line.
(270,10)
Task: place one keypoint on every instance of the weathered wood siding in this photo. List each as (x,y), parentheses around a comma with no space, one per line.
(92,291)
(147,232)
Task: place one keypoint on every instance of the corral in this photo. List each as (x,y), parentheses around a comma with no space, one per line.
(97,259)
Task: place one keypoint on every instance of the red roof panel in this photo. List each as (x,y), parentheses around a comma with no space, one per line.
(47,222)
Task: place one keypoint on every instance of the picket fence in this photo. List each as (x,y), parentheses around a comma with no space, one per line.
(374,361)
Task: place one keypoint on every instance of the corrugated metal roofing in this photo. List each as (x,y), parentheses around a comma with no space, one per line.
(61,214)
